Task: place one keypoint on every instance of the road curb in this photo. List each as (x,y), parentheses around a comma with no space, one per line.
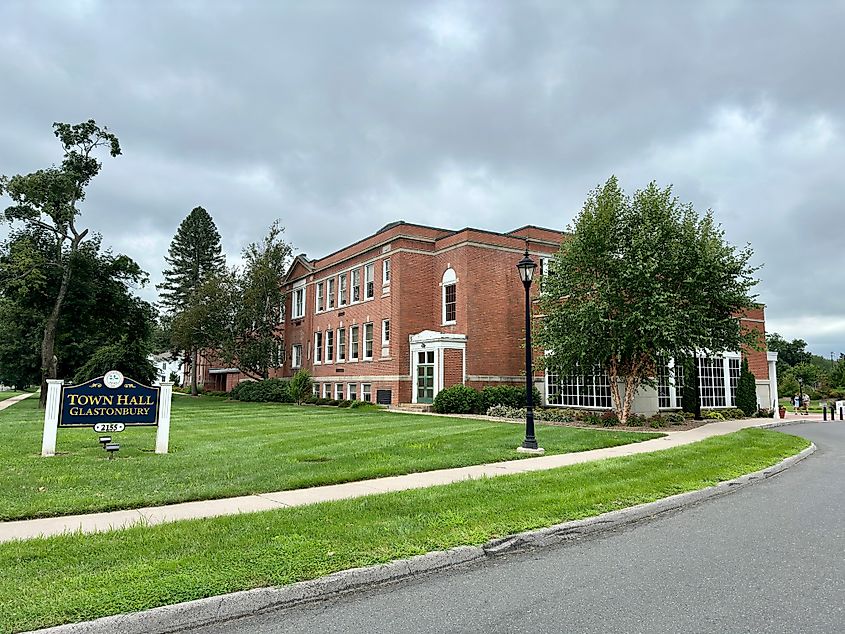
(219,609)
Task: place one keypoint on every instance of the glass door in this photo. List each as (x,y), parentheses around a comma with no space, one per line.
(425,376)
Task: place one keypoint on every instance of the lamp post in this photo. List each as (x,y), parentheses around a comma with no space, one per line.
(526,267)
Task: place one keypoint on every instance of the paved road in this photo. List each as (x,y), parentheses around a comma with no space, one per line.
(768,558)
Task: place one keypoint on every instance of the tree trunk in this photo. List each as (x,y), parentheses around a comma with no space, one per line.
(194,357)
(49,362)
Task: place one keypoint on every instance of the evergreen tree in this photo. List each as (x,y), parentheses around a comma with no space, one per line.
(690,397)
(195,255)
(746,390)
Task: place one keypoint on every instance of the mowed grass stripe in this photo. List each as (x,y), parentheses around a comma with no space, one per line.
(74,578)
(223,448)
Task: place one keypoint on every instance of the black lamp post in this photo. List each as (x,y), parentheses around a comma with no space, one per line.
(526,267)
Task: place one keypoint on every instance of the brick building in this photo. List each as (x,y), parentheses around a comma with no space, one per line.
(411,309)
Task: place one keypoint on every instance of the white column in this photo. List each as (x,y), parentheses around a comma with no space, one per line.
(163,431)
(773,387)
(51,417)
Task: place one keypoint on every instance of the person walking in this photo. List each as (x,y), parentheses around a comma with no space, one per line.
(805,403)
(796,403)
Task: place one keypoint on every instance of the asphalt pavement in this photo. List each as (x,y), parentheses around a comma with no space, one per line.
(767,558)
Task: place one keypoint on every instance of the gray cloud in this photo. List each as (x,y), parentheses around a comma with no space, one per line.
(339,117)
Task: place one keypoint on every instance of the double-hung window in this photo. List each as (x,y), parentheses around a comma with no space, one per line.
(366,392)
(449,283)
(369,283)
(330,293)
(341,289)
(353,343)
(329,346)
(318,347)
(341,344)
(338,391)
(385,272)
(296,355)
(368,341)
(352,391)
(320,299)
(356,285)
(298,308)
(385,332)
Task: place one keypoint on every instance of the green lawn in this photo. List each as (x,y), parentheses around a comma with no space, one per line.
(9,394)
(225,448)
(74,578)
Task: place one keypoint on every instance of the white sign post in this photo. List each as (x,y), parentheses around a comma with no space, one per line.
(163,431)
(51,417)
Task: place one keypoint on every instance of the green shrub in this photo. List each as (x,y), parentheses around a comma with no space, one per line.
(657,421)
(746,390)
(333,402)
(557,415)
(458,399)
(505,411)
(591,419)
(301,386)
(323,401)
(344,403)
(268,391)
(609,419)
(508,395)
(363,405)
(636,420)
(675,418)
(311,400)
(688,415)
(711,414)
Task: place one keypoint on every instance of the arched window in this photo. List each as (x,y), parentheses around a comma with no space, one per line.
(450,298)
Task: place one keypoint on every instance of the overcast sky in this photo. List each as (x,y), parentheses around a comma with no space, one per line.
(339,117)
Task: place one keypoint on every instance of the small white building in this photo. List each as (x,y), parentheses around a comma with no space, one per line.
(166,364)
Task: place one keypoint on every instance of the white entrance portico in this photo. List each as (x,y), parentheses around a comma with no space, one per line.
(428,362)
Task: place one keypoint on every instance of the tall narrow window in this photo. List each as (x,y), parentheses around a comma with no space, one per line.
(298,310)
(330,293)
(368,341)
(353,343)
(318,347)
(369,283)
(366,392)
(341,289)
(385,332)
(320,305)
(385,272)
(341,344)
(329,346)
(352,391)
(338,391)
(356,285)
(296,355)
(450,297)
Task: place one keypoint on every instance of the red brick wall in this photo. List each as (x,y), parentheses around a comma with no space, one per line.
(757,359)
(453,371)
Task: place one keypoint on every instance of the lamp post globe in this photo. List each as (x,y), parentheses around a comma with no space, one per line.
(526,267)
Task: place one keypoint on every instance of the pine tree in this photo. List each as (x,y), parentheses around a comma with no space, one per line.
(690,398)
(746,390)
(195,255)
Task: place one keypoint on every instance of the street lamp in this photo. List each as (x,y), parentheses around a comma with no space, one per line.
(526,267)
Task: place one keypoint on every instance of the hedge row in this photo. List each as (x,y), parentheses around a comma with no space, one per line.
(461,399)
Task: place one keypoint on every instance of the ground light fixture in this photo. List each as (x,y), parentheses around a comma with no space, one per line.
(526,267)
(112,448)
(104,440)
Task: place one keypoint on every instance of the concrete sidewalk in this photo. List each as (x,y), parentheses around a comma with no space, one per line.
(96,522)
(15,399)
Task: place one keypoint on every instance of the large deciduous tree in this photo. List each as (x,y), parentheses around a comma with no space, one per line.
(253,342)
(48,201)
(194,258)
(642,278)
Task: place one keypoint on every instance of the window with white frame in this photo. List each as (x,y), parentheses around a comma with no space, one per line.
(356,285)
(450,296)
(278,357)
(341,344)
(670,383)
(341,289)
(353,343)
(320,299)
(369,280)
(368,341)
(329,346)
(318,347)
(733,377)
(385,272)
(367,392)
(298,308)
(330,292)
(283,309)
(296,355)
(352,391)
(578,390)
(327,390)
(711,381)
(385,332)
(338,391)
(315,389)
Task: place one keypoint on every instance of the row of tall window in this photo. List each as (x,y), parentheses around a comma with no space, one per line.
(350,289)
(343,344)
(344,391)
(717,381)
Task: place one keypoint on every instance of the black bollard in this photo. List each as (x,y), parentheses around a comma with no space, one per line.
(824,412)
(841,413)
